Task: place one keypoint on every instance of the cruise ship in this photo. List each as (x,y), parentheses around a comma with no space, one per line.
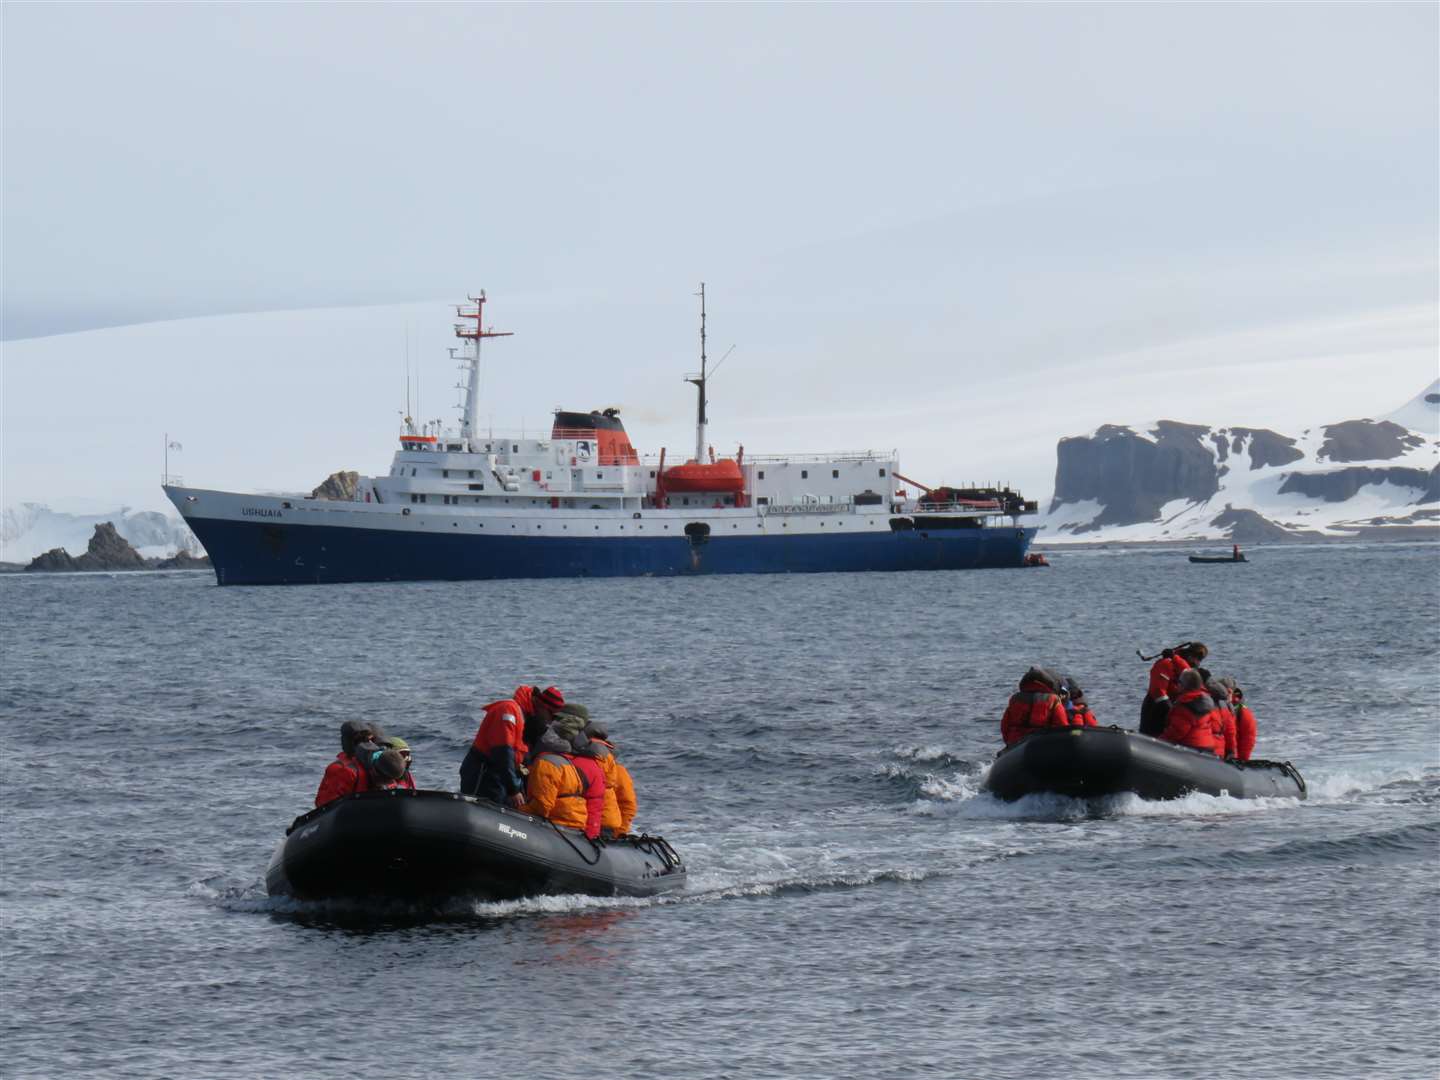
(459,504)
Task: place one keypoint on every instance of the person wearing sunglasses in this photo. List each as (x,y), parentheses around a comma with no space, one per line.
(405,782)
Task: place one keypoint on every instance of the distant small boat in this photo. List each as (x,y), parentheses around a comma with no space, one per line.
(1036,559)
(1236,555)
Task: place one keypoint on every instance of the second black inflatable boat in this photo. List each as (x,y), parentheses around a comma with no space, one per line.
(435,844)
(1086,762)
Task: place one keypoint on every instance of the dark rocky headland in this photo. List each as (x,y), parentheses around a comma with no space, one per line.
(109,550)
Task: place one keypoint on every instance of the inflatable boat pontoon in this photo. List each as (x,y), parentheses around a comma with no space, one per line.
(432,844)
(1086,762)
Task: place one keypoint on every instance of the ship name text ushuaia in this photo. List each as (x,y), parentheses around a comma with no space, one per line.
(462,504)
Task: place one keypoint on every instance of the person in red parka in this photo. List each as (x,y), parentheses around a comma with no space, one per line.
(493,765)
(347,775)
(1037,705)
(1163,676)
(1220,693)
(1193,719)
(1075,705)
(1244,723)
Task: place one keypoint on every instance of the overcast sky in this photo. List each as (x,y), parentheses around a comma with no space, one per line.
(893,205)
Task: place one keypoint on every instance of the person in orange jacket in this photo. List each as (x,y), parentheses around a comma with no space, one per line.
(1193,719)
(1037,705)
(565,788)
(1220,693)
(493,765)
(1075,705)
(1163,677)
(1244,722)
(620,804)
(347,774)
(573,723)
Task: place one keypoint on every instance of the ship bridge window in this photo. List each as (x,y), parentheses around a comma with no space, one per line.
(762,501)
(835,473)
(761,474)
(471,473)
(804,474)
(412,472)
(515,448)
(882,472)
(476,487)
(445,473)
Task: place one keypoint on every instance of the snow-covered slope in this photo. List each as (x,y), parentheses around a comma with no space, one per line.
(1172,481)
(31,529)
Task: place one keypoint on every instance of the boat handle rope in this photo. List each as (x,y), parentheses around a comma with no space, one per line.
(593,845)
(658,845)
(1294,773)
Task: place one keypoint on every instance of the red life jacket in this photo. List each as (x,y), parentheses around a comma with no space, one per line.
(1227,726)
(1244,732)
(343,776)
(1036,706)
(502,725)
(1082,716)
(1164,675)
(592,787)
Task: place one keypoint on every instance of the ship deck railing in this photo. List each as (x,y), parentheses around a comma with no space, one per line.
(806,508)
(653,460)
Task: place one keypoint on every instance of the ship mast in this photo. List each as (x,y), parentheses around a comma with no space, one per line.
(472,360)
(699,381)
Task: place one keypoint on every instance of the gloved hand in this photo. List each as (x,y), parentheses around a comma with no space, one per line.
(518,800)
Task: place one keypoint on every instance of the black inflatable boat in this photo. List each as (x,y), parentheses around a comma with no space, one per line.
(1089,762)
(435,844)
(1218,558)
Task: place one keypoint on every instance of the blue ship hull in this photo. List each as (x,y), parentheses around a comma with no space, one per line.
(245,553)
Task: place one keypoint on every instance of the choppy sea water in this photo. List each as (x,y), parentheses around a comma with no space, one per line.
(814,747)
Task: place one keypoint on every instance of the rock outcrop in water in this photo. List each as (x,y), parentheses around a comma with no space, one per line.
(108,550)
(32,529)
(1174,481)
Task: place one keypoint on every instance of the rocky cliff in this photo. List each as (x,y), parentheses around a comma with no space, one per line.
(108,550)
(1180,481)
(339,486)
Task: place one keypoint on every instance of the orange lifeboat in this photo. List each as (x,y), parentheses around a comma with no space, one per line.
(705,476)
